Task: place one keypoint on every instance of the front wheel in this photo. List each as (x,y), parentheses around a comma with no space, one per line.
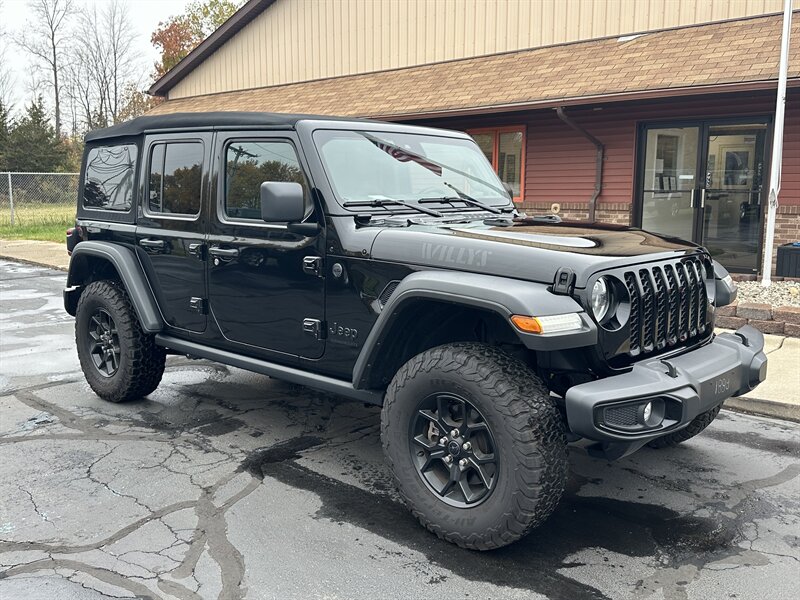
(698,424)
(119,360)
(476,446)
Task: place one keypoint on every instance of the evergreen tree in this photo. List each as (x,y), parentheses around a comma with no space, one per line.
(33,144)
(5,131)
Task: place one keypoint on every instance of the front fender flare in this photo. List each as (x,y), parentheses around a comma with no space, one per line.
(130,272)
(500,295)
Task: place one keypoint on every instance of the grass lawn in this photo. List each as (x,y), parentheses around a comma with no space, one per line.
(47,222)
(52,232)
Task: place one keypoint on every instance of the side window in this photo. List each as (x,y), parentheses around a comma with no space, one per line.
(174,178)
(248,165)
(504,147)
(110,176)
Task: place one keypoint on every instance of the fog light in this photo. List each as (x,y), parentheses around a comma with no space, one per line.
(651,413)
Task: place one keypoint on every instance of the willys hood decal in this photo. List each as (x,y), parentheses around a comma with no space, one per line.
(533,252)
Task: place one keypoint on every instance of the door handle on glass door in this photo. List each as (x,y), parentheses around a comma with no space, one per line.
(703,198)
(691,198)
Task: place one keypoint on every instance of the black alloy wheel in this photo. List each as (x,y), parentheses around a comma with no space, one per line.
(103,341)
(454,450)
(475,444)
(119,360)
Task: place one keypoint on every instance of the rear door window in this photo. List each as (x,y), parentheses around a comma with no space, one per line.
(110,176)
(175,178)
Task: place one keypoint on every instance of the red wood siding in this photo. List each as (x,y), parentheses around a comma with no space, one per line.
(561,163)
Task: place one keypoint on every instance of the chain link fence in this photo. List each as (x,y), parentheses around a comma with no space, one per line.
(31,199)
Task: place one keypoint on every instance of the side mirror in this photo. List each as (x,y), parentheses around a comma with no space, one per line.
(282,202)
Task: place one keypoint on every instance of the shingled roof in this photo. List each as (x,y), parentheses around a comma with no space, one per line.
(726,56)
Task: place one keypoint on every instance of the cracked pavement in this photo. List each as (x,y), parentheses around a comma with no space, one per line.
(226,484)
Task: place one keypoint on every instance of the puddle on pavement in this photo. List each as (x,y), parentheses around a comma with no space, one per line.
(755,441)
(580,522)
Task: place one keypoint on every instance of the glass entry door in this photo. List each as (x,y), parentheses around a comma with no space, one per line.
(732,194)
(670,181)
(705,182)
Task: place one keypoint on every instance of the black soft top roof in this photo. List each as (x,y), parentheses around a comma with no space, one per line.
(210,120)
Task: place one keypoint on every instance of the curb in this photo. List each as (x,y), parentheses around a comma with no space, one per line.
(764,408)
(35,263)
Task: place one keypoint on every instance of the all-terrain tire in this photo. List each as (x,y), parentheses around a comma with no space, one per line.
(698,424)
(140,363)
(529,435)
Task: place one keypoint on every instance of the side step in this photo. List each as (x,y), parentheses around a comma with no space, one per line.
(290,374)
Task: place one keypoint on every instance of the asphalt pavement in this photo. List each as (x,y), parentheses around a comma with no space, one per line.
(225,484)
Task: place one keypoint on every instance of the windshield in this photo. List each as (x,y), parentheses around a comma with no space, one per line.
(365,166)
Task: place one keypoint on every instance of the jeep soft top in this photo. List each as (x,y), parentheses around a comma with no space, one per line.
(387,263)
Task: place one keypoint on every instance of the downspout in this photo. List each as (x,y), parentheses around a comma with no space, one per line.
(598,172)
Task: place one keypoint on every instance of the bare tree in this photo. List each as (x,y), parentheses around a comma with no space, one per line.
(104,65)
(6,76)
(46,40)
(6,81)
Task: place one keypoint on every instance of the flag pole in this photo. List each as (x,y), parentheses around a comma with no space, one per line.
(777,147)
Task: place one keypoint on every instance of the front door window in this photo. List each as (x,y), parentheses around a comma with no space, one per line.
(704,182)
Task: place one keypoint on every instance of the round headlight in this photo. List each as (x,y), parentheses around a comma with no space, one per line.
(601,299)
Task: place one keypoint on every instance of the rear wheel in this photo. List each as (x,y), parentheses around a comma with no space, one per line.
(476,446)
(698,424)
(118,359)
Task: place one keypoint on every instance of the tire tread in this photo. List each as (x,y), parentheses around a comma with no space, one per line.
(529,416)
(698,424)
(146,360)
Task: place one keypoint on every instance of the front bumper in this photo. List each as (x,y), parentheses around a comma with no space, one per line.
(685,386)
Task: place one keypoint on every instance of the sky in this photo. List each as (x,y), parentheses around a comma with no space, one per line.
(144,16)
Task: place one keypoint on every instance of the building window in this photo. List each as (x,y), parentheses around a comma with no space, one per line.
(175,178)
(109,179)
(504,147)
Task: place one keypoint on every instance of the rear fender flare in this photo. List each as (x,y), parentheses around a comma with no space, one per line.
(130,273)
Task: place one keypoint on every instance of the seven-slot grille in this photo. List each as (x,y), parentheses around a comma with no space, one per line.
(668,305)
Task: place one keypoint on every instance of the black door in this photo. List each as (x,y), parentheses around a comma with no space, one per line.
(266,289)
(705,182)
(170,229)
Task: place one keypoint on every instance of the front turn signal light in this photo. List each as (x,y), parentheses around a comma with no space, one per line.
(548,324)
(527,324)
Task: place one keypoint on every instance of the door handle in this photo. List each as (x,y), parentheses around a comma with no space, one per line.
(703,198)
(155,244)
(691,199)
(223,252)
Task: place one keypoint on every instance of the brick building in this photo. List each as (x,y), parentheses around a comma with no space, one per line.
(661,120)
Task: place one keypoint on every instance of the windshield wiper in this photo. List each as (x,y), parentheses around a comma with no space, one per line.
(465,198)
(383,202)
(435,167)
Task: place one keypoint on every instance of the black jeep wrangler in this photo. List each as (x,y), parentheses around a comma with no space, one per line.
(387,263)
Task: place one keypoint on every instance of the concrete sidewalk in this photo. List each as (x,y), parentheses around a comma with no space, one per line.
(46,254)
(778,396)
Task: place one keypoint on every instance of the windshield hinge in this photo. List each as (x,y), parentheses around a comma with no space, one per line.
(314,327)
(564,281)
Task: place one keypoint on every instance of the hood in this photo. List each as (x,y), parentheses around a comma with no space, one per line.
(526,251)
